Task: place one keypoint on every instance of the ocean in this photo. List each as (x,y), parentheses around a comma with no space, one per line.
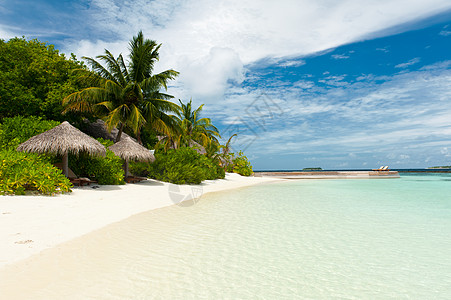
(299,239)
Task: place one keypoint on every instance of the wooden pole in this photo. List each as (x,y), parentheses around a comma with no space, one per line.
(66,164)
(126,168)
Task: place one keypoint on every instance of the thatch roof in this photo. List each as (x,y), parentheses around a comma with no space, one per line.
(98,129)
(198,147)
(128,149)
(63,139)
(192,144)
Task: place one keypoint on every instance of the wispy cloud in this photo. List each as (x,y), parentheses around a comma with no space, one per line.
(384,49)
(369,119)
(339,56)
(409,63)
(292,63)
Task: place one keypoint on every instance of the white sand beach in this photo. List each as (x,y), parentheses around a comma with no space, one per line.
(30,224)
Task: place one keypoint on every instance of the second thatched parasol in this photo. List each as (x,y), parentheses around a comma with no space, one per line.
(127,149)
(62,140)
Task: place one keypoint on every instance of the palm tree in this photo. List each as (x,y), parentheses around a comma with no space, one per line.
(226,148)
(194,128)
(126,95)
(225,157)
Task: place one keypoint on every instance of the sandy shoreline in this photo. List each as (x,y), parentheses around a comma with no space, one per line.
(30,224)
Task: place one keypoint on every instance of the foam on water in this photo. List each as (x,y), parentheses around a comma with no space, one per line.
(318,239)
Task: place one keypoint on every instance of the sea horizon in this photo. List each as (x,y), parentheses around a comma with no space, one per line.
(432,170)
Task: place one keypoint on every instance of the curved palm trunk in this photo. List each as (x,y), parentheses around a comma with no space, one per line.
(119,134)
(138,137)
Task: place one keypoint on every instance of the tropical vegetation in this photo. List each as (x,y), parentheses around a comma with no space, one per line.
(20,172)
(39,88)
(125,94)
(182,166)
(193,128)
(34,77)
(105,170)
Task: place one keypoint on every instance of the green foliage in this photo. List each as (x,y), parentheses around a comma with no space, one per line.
(20,172)
(193,127)
(149,138)
(16,130)
(105,170)
(228,165)
(139,168)
(241,165)
(34,78)
(183,166)
(125,93)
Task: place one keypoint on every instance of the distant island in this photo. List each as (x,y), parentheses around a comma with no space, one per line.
(440,167)
(312,169)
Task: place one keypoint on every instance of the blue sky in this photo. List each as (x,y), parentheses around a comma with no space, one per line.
(333,84)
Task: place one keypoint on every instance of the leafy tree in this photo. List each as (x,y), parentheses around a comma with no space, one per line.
(34,78)
(194,128)
(126,94)
(14,131)
(241,165)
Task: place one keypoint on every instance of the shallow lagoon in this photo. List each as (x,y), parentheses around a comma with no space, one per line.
(320,239)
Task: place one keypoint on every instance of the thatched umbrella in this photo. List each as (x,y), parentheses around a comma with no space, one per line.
(198,147)
(62,140)
(98,129)
(192,144)
(127,149)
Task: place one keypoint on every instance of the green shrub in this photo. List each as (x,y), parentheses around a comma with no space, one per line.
(18,129)
(20,172)
(105,170)
(241,165)
(138,168)
(228,165)
(182,166)
(211,168)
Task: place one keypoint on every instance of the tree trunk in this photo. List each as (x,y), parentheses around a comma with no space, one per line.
(119,133)
(138,137)
(126,168)
(66,164)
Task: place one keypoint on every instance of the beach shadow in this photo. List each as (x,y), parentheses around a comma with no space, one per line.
(102,188)
(149,182)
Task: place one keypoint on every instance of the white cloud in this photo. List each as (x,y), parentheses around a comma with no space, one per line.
(445,151)
(445,31)
(292,63)
(208,77)
(385,49)
(340,56)
(334,80)
(93,49)
(252,29)
(7,32)
(409,63)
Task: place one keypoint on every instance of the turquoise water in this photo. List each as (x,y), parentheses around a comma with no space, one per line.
(305,239)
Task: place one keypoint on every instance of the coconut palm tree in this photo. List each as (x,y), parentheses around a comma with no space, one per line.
(226,148)
(194,128)
(126,94)
(225,157)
